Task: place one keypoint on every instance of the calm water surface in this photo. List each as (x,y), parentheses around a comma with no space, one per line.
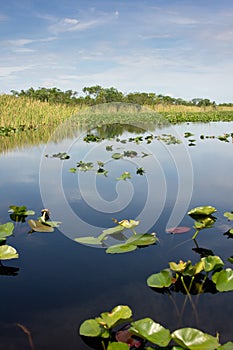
(59,283)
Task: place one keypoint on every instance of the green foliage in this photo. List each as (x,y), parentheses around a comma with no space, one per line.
(194,339)
(6,230)
(7,252)
(160,280)
(202,211)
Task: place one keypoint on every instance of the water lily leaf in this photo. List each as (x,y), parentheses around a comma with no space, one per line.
(203,210)
(193,339)
(88,240)
(20,211)
(230,259)
(162,279)
(85,166)
(90,328)
(7,252)
(151,331)
(140,171)
(188,134)
(38,226)
(223,280)
(61,155)
(117,346)
(179,229)
(109,148)
(117,156)
(207,222)
(124,176)
(211,263)
(110,231)
(228,215)
(73,170)
(121,248)
(226,346)
(142,239)
(130,154)
(6,229)
(118,313)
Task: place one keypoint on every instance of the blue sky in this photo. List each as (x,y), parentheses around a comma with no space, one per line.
(174,47)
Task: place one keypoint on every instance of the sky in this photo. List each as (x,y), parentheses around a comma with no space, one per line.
(170,47)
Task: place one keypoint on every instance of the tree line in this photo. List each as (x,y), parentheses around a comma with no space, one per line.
(96,94)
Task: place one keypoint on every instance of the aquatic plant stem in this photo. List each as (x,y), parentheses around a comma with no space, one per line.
(133,230)
(195,234)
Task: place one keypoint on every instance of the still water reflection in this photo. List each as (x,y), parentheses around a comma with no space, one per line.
(57,283)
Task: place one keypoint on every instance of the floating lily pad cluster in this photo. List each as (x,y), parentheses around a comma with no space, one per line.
(130,244)
(203,218)
(194,279)
(7,252)
(144,331)
(225,137)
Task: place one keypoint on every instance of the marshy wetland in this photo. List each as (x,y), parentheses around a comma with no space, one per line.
(140,216)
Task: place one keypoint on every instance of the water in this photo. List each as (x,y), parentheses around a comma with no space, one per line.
(60,283)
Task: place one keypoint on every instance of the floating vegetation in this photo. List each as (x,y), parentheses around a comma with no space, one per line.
(140,171)
(19,213)
(179,229)
(136,334)
(61,155)
(85,166)
(130,244)
(124,176)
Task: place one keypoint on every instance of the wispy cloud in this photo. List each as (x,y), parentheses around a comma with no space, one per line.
(6,71)
(71,25)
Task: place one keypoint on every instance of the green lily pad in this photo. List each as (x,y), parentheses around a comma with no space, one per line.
(90,328)
(142,239)
(194,339)
(117,346)
(223,280)
(162,279)
(211,263)
(124,176)
(121,248)
(202,211)
(117,156)
(88,240)
(85,166)
(20,211)
(120,312)
(207,222)
(110,231)
(38,226)
(228,215)
(151,331)
(6,229)
(226,346)
(7,252)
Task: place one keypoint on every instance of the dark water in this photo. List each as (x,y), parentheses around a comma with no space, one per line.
(60,283)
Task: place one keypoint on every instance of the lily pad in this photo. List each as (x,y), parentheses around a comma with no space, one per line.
(142,239)
(151,331)
(118,313)
(110,231)
(6,230)
(179,229)
(88,240)
(90,328)
(223,280)
(117,156)
(7,252)
(194,339)
(162,279)
(228,215)
(20,211)
(121,248)
(226,346)
(117,346)
(211,263)
(124,176)
(202,211)
(38,226)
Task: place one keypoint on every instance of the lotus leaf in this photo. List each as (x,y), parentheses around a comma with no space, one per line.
(90,328)
(160,280)
(38,226)
(202,211)
(211,263)
(121,248)
(194,339)
(223,280)
(142,239)
(117,346)
(6,229)
(7,252)
(119,313)
(151,331)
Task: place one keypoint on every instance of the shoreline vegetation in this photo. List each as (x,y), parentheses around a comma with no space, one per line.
(50,107)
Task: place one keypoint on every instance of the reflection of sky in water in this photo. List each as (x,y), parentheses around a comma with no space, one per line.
(60,282)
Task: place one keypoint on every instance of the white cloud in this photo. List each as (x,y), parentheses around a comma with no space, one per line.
(72,24)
